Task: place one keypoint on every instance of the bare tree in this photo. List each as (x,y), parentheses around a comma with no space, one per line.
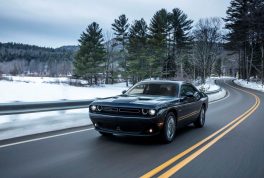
(109,48)
(207,44)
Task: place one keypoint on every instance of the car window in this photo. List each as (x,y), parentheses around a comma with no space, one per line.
(138,89)
(187,88)
(154,89)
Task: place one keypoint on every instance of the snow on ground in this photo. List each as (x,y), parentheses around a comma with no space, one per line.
(30,92)
(18,125)
(251,85)
(28,79)
(216,96)
(209,86)
(37,89)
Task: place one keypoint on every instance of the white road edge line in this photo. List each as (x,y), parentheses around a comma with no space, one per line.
(227,96)
(43,138)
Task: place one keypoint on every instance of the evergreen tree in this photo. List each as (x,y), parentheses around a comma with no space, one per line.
(245,24)
(180,27)
(158,29)
(91,53)
(120,27)
(236,23)
(138,63)
(218,67)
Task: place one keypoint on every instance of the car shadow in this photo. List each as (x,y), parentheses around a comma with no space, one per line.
(144,140)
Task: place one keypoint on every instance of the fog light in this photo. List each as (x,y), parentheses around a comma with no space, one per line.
(150,130)
(144,111)
(152,112)
(93,108)
(99,108)
(160,124)
(95,125)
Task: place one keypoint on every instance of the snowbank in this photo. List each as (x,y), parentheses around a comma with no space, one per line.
(209,86)
(251,85)
(12,126)
(215,92)
(217,96)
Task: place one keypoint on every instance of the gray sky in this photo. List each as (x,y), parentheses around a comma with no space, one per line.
(53,23)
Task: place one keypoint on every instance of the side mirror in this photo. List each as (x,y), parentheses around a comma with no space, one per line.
(189,94)
(182,99)
(124,91)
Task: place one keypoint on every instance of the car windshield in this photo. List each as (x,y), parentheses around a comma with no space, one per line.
(154,89)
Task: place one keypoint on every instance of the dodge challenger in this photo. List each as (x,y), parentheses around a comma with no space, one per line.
(150,108)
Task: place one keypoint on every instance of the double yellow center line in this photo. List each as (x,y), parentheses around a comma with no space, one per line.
(203,144)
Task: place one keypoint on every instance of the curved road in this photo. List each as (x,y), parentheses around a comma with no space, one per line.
(236,150)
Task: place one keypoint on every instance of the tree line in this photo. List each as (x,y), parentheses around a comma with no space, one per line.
(24,59)
(245,22)
(169,47)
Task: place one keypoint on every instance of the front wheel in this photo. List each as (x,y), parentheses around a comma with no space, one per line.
(199,123)
(169,130)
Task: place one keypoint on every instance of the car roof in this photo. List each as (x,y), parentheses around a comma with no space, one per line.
(179,82)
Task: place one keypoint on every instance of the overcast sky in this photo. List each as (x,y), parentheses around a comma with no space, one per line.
(53,23)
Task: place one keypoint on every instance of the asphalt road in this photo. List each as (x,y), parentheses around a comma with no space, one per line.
(235,151)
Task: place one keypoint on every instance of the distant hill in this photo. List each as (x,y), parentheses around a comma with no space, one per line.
(16,58)
(71,48)
(16,51)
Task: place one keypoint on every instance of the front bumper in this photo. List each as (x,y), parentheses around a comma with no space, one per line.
(125,125)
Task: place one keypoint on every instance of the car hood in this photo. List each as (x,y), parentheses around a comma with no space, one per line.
(135,101)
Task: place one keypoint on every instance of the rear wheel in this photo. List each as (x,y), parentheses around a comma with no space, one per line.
(201,119)
(105,134)
(169,130)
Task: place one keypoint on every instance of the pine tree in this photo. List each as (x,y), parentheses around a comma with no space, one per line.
(138,64)
(245,24)
(159,27)
(180,27)
(234,23)
(218,67)
(120,27)
(91,53)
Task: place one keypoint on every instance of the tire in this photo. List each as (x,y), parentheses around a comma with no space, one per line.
(169,130)
(199,123)
(105,134)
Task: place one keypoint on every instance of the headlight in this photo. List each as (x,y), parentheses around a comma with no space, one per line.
(152,112)
(93,107)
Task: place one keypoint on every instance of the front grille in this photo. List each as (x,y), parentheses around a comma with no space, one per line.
(109,109)
(129,110)
(121,110)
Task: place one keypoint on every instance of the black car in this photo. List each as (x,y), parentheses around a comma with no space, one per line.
(150,108)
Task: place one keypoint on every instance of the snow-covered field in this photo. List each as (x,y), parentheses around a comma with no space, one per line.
(251,85)
(40,89)
(32,89)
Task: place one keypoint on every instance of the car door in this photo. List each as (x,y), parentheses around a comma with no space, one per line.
(188,106)
(197,103)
